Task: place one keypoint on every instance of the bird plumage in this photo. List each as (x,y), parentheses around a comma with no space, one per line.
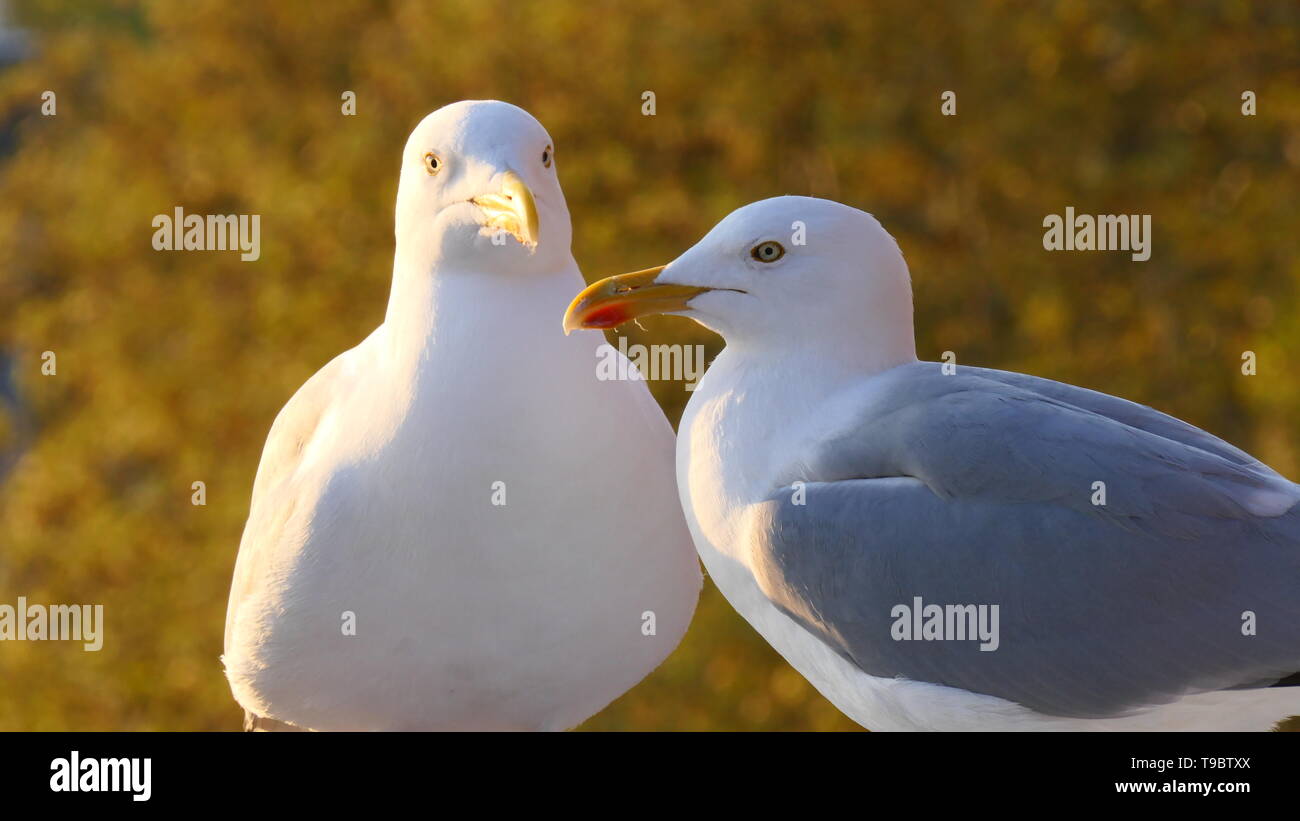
(449,487)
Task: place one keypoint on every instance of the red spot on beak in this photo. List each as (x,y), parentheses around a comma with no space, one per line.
(609,316)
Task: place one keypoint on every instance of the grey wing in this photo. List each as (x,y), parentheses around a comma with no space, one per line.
(966,490)
(1093,620)
(1129,413)
(972,437)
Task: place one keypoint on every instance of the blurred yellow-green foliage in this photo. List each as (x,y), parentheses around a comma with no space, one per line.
(171,366)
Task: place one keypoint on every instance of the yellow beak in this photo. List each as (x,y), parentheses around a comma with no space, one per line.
(615,300)
(513,210)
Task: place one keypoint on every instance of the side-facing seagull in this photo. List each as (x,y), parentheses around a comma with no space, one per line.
(865,512)
(456,525)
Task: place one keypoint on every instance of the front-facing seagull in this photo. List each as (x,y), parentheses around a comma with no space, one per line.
(963,549)
(456,525)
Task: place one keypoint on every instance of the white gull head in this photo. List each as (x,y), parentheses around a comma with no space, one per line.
(787,273)
(479,192)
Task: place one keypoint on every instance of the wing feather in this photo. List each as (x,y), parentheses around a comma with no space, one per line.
(978,490)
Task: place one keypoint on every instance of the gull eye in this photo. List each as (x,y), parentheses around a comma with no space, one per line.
(769,251)
(432,163)
(547,154)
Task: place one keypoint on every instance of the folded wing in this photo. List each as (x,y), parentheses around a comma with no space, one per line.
(981,488)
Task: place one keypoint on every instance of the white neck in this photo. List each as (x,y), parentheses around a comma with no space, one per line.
(755,407)
(492,305)
(827,351)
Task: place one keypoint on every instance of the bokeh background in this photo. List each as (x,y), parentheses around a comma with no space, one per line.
(171,366)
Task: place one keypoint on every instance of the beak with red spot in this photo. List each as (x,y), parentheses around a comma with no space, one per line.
(615,300)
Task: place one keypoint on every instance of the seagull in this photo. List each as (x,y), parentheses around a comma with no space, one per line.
(942,547)
(456,525)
